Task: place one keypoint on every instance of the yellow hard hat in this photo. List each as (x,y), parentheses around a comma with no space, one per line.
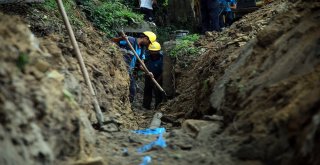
(155,46)
(152,37)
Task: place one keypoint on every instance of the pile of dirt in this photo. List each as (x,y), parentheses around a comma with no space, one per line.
(47,112)
(266,90)
(104,62)
(221,49)
(40,122)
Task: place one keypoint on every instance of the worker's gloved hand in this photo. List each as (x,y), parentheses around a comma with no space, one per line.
(114,39)
(141,67)
(151,75)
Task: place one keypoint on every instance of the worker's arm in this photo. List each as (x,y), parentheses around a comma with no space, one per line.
(117,39)
(141,67)
(233,5)
(145,71)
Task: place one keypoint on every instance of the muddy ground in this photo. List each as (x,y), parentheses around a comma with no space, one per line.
(251,98)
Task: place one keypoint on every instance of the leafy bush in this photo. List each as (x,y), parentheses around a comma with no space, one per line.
(164,33)
(69,5)
(185,46)
(109,15)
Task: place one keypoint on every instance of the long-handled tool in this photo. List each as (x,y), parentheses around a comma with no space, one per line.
(84,71)
(143,65)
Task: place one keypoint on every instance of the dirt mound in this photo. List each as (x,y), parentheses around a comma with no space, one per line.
(104,62)
(40,123)
(221,50)
(267,90)
(46,109)
(272,93)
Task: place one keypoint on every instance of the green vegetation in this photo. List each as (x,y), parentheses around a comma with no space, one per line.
(185,46)
(69,96)
(166,3)
(106,15)
(22,60)
(109,15)
(164,33)
(70,7)
(50,5)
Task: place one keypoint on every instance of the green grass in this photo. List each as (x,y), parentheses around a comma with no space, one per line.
(185,46)
(109,15)
(22,61)
(70,7)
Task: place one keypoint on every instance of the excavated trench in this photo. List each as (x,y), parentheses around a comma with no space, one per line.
(251,98)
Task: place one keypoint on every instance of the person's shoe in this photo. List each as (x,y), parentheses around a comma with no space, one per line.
(152,23)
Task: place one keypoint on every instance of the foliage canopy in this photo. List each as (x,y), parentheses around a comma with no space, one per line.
(109,15)
(185,46)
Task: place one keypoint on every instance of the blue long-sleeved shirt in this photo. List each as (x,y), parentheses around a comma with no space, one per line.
(226,4)
(139,50)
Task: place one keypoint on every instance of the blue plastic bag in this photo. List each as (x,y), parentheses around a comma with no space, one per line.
(160,142)
(148,131)
(146,160)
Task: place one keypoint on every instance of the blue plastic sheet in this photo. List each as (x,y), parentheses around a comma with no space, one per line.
(146,160)
(160,142)
(155,131)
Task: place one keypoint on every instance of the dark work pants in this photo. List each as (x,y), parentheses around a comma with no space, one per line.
(149,88)
(222,18)
(210,15)
(132,88)
(214,17)
(229,18)
(148,15)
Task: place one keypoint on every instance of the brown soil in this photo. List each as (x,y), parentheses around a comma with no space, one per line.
(39,123)
(54,134)
(266,90)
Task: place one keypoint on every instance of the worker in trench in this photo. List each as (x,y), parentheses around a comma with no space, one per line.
(154,63)
(139,44)
(210,10)
(226,15)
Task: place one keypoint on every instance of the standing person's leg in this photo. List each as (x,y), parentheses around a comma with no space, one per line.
(150,15)
(222,20)
(132,88)
(229,18)
(204,16)
(214,17)
(144,11)
(147,93)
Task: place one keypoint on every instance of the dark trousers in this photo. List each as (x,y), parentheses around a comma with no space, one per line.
(132,88)
(148,15)
(149,88)
(226,19)
(210,15)
(229,18)
(222,18)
